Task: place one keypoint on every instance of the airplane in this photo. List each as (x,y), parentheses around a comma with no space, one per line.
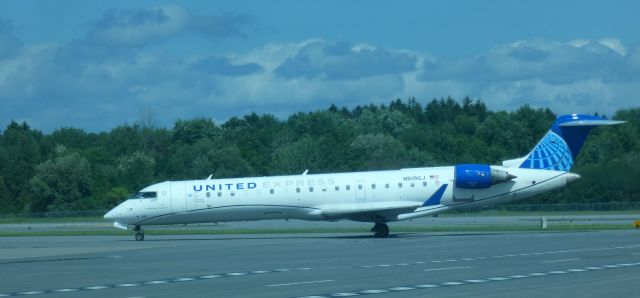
(378,197)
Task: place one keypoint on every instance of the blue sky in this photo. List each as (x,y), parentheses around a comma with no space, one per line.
(98,64)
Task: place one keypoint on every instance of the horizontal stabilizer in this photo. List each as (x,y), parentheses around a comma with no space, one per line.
(590,122)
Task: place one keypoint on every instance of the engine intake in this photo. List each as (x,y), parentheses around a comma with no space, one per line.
(478,176)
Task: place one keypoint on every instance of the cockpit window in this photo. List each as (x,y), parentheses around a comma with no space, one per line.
(145,195)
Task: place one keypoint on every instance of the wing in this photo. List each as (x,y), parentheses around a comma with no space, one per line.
(384,211)
(368,212)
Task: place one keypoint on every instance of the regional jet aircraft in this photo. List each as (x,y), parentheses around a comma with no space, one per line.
(378,197)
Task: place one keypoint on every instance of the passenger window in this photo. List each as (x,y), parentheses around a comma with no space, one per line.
(271,191)
(233,193)
(337,188)
(310,188)
(373,186)
(399,184)
(208,194)
(424,183)
(219,194)
(386,185)
(297,189)
(348,187)
(359,186)
(413,184)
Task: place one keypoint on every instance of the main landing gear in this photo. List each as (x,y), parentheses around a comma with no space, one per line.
(139,233)
(380,230)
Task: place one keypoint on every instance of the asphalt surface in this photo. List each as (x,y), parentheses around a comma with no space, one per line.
(541,264)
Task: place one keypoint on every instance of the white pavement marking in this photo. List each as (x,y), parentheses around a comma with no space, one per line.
(562,260)
(427,286)
(397,289)
(537,274)
(466,259)
(212,276)
(374,291)
(471,281)
(447,268)
(152,282)
(301,283)
(156,282)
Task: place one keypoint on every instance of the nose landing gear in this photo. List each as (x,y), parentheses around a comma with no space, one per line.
(139,233)
(380,230)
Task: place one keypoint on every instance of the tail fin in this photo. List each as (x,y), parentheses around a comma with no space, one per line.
(558,149)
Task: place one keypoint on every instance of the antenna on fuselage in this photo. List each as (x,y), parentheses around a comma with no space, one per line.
(305,172)
(210,176)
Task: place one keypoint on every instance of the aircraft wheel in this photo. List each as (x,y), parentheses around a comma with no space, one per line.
(139,236)
(380,230)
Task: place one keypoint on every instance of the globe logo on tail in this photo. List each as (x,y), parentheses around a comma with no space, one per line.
(551,153)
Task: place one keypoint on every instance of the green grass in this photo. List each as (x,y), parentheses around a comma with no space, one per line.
(538,213)
(19,219)
(364,231)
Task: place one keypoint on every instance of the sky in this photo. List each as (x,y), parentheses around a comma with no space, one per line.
(95,65)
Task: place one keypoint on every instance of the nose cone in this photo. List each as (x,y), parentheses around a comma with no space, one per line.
(572,177)
(116,213)
(111,215)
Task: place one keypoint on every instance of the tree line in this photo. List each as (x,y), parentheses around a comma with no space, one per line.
(70,169)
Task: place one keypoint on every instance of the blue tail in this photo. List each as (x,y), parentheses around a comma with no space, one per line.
(558,149)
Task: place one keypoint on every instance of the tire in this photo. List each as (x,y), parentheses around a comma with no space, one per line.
(139,236)
(381,230)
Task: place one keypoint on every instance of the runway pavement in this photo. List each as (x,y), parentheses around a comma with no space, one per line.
(563,264)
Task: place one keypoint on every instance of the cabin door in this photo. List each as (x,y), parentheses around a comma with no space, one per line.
(178,196)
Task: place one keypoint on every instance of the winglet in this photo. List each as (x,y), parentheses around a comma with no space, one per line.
(435,197)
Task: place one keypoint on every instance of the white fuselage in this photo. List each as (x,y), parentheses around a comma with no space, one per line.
(376,196)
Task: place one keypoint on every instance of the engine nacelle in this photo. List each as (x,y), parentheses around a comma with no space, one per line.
(477,176)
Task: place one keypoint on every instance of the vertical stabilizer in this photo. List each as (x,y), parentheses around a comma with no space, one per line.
(558,149)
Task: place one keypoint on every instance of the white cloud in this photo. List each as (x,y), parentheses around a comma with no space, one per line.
(98,87)
(343,61)
(550,61)
(133,28)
